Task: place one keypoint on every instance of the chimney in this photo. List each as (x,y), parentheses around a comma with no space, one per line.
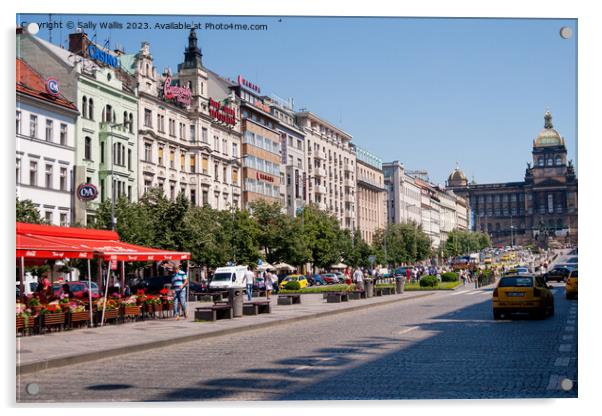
(78,43)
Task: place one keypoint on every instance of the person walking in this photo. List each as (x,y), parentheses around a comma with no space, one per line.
(358,278)
(269,284)
(408,274)
(179,283)
(248,279)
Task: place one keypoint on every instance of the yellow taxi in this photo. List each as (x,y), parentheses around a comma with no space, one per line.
(571,285)
(522,293)
(294,278)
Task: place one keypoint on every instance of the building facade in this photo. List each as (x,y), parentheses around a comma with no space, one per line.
(261,172)
(292,146)
(404,199)
(106,148)
(331,180)
(45,145)
(370,203)
(189,135)
(541,208)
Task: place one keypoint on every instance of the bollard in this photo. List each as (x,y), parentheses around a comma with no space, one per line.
(236,297)
(369,288)
(399,284)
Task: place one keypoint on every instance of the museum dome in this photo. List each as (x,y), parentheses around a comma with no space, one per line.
(457,178)
(548,136)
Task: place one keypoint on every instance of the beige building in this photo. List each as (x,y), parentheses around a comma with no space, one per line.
(189,130)
(371,192)
(330,168)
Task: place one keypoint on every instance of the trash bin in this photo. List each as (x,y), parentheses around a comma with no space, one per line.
(369,288)
(399,284)
(236,297)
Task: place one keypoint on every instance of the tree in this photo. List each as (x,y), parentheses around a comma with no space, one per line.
(205,239)
(272,222)
(26,211)
(321,232)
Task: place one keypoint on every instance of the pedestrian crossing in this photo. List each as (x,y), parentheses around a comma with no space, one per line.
(471,292)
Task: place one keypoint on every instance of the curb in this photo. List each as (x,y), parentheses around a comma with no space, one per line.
(99,355)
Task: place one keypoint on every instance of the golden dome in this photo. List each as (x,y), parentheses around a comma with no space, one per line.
(548,136)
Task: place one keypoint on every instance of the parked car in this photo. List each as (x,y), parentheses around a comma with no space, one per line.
(558,274)
(78,288)
(330,278)
(227,277)
(316,280)
(294,278)
(522,293)
(340,276)
(571,285)
(150,284)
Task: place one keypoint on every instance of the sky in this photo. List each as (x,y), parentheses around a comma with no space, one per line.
(427,92)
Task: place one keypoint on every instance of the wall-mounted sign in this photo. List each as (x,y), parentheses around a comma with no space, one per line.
(181,95)
(264,177)
(52,86)
(87,192)
(262,106)
(101,56)
(221,112)
(249,85)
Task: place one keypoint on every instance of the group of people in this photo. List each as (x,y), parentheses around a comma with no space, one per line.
(250,278)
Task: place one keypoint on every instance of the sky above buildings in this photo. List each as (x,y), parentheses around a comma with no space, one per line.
(427,92)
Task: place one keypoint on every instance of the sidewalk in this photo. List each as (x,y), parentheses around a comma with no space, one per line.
(39,352)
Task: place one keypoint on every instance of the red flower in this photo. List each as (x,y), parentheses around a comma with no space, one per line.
(140,292)
(164,291)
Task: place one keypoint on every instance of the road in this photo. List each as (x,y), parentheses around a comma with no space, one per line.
(441,346)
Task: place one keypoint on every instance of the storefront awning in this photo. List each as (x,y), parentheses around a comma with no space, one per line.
(86,243)
(38,248)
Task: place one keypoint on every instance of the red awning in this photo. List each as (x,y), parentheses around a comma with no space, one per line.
(88,243)
(35,247)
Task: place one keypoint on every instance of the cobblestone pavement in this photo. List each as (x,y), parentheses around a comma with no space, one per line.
(441,346)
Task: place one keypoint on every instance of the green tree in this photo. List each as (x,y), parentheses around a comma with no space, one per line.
(272,222)
(321,231)
(26,211)
(205,238)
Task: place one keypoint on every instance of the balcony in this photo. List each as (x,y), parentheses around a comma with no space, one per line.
(349,198)
(320,173)
(349,183)
(348,168)
(320,156)
(349,213)
(320,189)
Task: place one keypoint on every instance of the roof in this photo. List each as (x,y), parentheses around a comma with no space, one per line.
(30,82)
(70,242)
(548,136)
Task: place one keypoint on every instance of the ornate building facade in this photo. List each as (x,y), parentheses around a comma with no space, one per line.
(541,208)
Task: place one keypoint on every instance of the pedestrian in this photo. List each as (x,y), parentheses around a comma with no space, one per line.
(179,283)
(269,284)
(463,277)
(408,274)
(66,292)
(248,279)
(358,278)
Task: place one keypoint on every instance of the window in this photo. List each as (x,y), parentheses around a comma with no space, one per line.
(204,137)
(172,159)
(192,133)
(33,126)
(91,109)
(64,220)
(108,115)
(172,127)
(550,162)
(235,149)
(48,176)
(205,165)
(131,123)
(540,161)
(192,163)
(216,143)
(182,131)
(18,171)
(160,156)
(102,152)
(18,122)
(182,161)
(558,161)
(216,172)
(48,216)
(193,197)
(224,171)
(130,159)
(130,193)
(148,152)
(84,107)
(148,118)
(33,173)
(88,148)
(225,146)
(63,134)
(205,197)
(235,176)
(63,179)
(299,144)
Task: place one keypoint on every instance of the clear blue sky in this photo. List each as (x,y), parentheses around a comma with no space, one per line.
(426,92)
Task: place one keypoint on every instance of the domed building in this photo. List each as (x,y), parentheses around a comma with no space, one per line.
(541,208)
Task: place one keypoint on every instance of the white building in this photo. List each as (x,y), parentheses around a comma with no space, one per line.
(45,145)
(330,168)
(404,198)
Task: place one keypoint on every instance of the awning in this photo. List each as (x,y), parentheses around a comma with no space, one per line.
(87,243)
(35,247)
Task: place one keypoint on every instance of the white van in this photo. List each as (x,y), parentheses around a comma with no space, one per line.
(227,277)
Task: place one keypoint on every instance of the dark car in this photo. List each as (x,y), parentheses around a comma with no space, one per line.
(558,274)
(150,284)
(316,280)
(78,288)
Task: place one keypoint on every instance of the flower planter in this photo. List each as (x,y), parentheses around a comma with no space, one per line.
(130,311)
(109,314)
(79,318)
(25,324)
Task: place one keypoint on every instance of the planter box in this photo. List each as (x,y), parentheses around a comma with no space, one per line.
(131,311)
(25,325)
(79,318)
(52,320)
(109,314)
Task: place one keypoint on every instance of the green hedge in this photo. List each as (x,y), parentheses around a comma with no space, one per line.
(429,281)
(450,277)
(292,285)
(320,289)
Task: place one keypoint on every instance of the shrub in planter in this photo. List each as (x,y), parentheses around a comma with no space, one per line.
(449,277)
(429,281)
(292,285)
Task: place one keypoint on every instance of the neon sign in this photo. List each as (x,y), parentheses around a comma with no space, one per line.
(221,112)
(242,81)
(102,56)
(181,95)
(52,86)
(264,177)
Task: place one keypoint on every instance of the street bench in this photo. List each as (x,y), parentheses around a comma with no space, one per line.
(337,297)
(213,313)
(259,293)
(357,294)
(289,299)
(256,307)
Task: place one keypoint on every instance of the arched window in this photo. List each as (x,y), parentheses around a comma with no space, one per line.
(91,109)
(131,123)
(84,107)
(125,119)
(88,148)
